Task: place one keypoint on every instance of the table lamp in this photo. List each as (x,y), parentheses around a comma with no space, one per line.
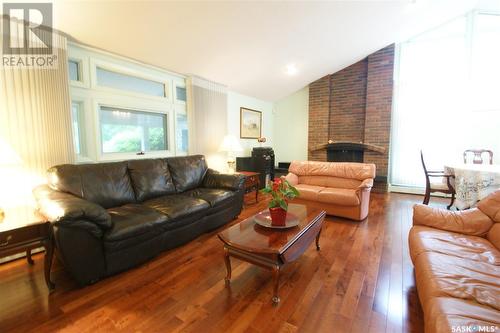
(231,145)
(8,159)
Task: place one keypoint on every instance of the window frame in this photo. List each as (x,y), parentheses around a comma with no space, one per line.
(92,96)
(119,104)
(134,105)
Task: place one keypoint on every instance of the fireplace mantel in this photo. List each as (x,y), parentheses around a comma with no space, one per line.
(349,145)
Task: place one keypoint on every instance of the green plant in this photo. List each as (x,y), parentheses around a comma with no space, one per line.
(281,191)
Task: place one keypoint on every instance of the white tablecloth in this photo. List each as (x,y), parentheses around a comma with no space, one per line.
(473,182)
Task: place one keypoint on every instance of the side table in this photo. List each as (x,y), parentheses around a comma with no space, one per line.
(252,182)
(23,230)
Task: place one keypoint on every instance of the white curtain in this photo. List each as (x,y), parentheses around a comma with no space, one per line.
(207,117)
(35,123)
(447,97)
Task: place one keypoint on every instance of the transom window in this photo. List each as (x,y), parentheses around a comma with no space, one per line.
(126,82)
(74,70)
(180,93)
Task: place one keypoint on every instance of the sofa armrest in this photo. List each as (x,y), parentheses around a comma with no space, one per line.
(214,179)
(67,210)
(366,184)
(292,178)
(468,222)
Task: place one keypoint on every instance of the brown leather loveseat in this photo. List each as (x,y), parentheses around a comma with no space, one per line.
(457,266)
(342,189)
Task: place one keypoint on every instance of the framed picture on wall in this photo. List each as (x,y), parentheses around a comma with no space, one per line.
(250,123)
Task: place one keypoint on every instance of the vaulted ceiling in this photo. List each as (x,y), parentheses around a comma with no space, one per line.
(248,45)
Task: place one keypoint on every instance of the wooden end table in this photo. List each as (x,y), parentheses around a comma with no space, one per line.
(272,248)
(252,182)
(22,230)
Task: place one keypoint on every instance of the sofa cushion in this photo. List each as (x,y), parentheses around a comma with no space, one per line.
(133,220)
(187,172)
(425,239)
(327,181)
(150,178)
(443,314)
(440,275)
(309,192)
(339,196)
(177,206)
(359,171)
(106,184)
(215,197)
(132,224)
(471,221)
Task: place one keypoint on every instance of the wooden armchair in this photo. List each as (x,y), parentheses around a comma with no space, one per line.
(478,155)
(441,187)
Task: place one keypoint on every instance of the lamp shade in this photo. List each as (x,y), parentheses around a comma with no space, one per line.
(8,156)
(230,144)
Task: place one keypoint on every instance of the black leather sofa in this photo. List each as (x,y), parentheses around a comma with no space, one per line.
(109,217)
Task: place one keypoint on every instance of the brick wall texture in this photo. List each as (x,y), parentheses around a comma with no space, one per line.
(319,106)
(355,104)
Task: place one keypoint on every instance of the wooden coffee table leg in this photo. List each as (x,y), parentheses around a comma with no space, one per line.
(28,257)
(317,240)
(227,260)
(276,278)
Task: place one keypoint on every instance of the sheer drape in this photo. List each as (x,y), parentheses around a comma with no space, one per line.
(444,99)
(207,117)
(35,123)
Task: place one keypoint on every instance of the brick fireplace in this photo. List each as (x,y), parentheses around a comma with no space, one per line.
(354,105)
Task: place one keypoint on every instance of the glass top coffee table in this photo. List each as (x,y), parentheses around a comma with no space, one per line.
(272,248)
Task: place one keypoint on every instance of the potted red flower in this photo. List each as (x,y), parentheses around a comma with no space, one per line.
(281,191)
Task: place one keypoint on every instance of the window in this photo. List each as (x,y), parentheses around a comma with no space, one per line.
(486,64)
(181,133)
(77,124)
(446,96)
(74,70)
(120,81)
(131,131)
(131,109)
(180,93)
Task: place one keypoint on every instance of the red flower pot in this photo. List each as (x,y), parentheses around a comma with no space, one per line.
(278,216)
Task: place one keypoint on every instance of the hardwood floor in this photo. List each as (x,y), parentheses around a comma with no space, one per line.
(361,281)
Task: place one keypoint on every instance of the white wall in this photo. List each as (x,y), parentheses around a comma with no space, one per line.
(234,102)
(291,118)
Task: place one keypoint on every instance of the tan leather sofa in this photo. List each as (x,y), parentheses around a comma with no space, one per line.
(457,266)
(341,189)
